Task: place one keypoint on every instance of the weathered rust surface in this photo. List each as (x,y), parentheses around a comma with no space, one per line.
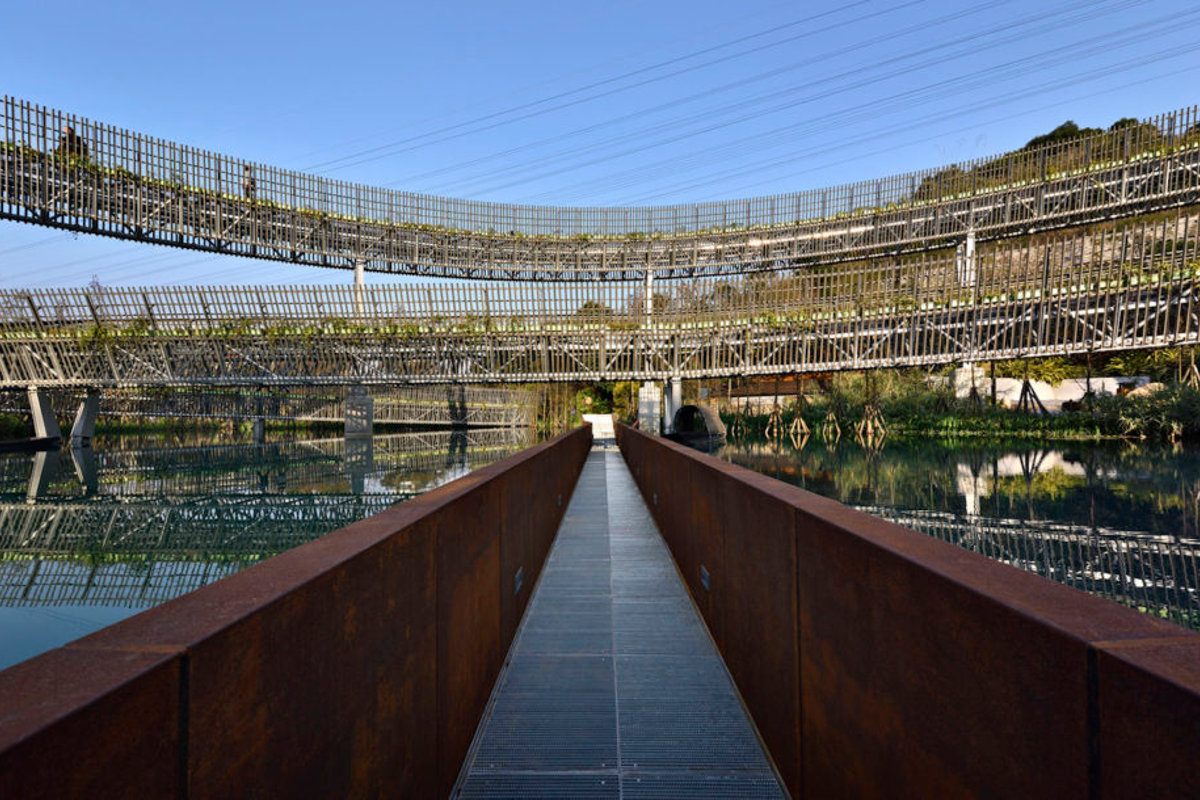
(917,686)
(79,724)
(1148,707)
(759,550)
(918,669)
(527,532)
(355,665)
(469,645)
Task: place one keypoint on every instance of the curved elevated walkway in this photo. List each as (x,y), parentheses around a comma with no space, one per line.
(613,687)
(108,181)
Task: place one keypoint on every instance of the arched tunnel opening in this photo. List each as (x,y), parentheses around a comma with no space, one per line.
(697,422)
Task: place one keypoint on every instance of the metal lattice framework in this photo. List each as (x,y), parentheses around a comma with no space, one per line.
(442,406)
(113,182)
(1105,287)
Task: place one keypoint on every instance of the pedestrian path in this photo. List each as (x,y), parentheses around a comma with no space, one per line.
(613,688)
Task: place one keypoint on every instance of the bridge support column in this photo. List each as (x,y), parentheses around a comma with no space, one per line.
(359,284)
(45,425)
(650,408)
(967,379)
(672,402)
(359,460)
(85,419)
(84,459)
(360,412)
(964,260)
(45,467)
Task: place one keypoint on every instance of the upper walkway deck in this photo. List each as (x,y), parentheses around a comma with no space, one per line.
(1117,286)
(113,182)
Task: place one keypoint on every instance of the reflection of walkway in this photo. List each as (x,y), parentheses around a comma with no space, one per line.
(179,471)
(140,553)
(150,525)
(442,406)
(613,687)
(1136,568)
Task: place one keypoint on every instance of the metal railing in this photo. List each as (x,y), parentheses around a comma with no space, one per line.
(61,170)
(1110,287)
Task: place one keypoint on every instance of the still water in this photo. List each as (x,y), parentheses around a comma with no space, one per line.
(1116,519)
(91,536)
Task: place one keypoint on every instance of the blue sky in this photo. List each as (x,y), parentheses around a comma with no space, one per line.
(572,103)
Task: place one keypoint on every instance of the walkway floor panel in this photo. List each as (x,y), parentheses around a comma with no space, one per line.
(613,687)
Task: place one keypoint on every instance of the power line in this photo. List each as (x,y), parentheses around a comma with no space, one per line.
(30,245)
(905,100)
(406,145)
(974,126)
(659,107)
(1051,56)
(1065,83)
(473,106)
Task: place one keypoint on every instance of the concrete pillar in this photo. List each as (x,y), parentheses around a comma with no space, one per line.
(85,419)
(360,283)
(260,430)
(649,408)
(45,425)
(672,402)
(967,377)
(456,405)
(84,459)
(359,460)
(360,412)
(965,260)
(45,467)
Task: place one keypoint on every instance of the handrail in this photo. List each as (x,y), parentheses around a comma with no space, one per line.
(1077,263)
(60,169)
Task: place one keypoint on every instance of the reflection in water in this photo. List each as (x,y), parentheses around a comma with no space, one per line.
(88,537)
(1114,519)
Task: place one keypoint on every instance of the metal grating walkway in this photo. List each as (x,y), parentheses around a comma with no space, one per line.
(613,688)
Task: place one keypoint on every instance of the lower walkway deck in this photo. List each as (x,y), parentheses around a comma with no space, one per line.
(613,688)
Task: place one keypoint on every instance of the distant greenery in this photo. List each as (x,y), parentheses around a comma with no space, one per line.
(15,426)
(595,398)
(913,404)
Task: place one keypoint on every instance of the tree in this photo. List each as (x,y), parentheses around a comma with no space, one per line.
(594,309)
(1065,132)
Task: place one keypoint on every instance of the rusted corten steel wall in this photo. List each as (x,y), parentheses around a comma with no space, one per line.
(879,662)
(356,665)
